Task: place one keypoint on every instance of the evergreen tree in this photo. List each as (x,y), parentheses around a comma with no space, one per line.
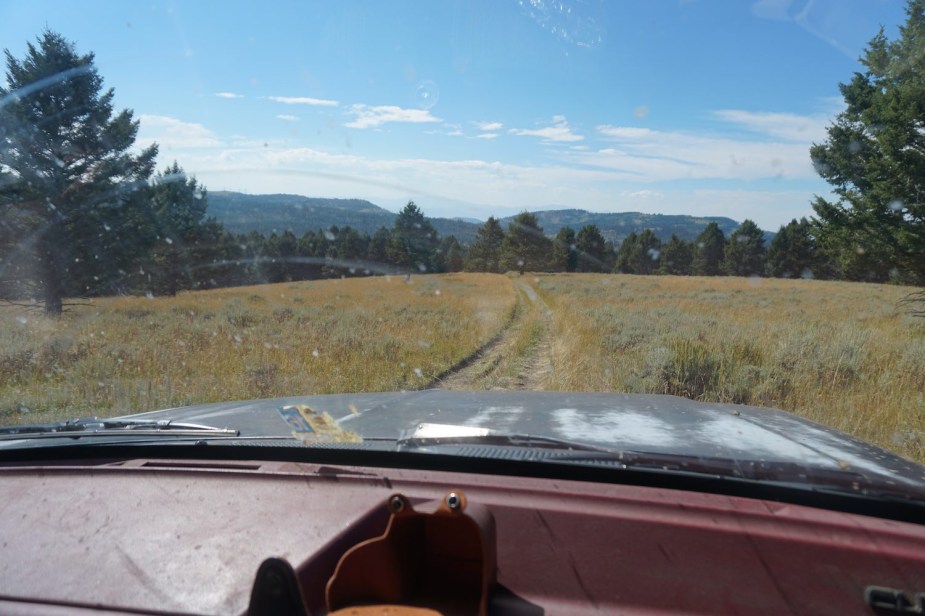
(639,254)
(874,158)
(413,241)
(450,255)
(524,246)
(564,256)
(485,252)
(179,230)
(592,250)
(677,257)
(377,253)
(709,248)
(745,252)
(70,186)
(793,253)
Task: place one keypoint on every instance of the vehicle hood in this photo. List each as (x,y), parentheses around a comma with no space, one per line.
(621,422)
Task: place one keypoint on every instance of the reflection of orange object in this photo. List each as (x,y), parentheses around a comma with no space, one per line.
(310,425)
(443,560)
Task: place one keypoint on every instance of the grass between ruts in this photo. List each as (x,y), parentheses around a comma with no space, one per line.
(129,354)
(847,355)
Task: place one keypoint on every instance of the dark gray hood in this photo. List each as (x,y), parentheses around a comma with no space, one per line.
(649,423)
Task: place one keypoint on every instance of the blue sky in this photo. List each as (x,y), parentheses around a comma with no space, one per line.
(703,107)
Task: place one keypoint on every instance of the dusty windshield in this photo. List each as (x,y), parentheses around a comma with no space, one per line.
(204,202)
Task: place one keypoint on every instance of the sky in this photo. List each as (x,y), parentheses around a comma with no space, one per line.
(472,109)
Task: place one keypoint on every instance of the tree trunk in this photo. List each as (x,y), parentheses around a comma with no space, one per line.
(52,274)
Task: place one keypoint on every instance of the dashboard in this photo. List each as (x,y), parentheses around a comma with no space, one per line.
(178,536)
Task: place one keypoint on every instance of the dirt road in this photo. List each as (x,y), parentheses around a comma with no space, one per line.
(516,359)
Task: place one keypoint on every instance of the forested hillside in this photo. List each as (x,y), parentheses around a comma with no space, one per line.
(266,214)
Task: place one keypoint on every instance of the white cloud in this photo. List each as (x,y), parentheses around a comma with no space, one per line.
(287,117)
(487,136)
(624,132)
(559,131)
(488,126)
(228,95)
(303,100)
(366,116)
(642,154)
(786,126)
(642,194)
(172,133)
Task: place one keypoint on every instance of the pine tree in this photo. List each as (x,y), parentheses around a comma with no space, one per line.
(874,158)
(485,252)
(709,248)
(179,234)
(564,256)
(413,241)
(639,254)
(793,253)
(677,257)
(69,183)
(592,250)
(524,246)
(745,252)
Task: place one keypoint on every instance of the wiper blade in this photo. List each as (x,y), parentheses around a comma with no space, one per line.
(428,434)
(93,427)
(554,450)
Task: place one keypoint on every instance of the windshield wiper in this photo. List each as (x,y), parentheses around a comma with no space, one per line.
(91,427)
(553,450)
(429,434)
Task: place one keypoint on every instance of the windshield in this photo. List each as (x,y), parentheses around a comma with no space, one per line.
(210,202)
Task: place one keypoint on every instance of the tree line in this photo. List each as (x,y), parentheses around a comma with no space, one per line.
(84,213)
(793,253)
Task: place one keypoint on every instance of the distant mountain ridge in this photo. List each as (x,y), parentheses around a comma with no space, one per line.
(242,213)
(615,226)
(267,214)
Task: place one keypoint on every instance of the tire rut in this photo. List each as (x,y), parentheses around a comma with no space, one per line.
(517,358)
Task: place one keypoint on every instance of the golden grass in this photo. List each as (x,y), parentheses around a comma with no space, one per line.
(844,354)
(129,354)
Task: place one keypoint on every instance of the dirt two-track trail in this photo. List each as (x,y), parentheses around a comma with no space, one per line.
(518,358)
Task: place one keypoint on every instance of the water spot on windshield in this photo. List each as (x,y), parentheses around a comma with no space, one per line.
(641,111)
(426,94)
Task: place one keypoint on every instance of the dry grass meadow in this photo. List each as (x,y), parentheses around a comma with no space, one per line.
(847,355)
(844,354)
(128,354)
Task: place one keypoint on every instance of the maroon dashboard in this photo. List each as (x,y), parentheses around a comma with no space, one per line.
(189,536)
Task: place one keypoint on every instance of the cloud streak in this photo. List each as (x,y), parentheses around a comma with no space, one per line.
(304,100)
(488,127)
(228,95)
(559,131)
(366,116)
(785,126)
(647,155)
